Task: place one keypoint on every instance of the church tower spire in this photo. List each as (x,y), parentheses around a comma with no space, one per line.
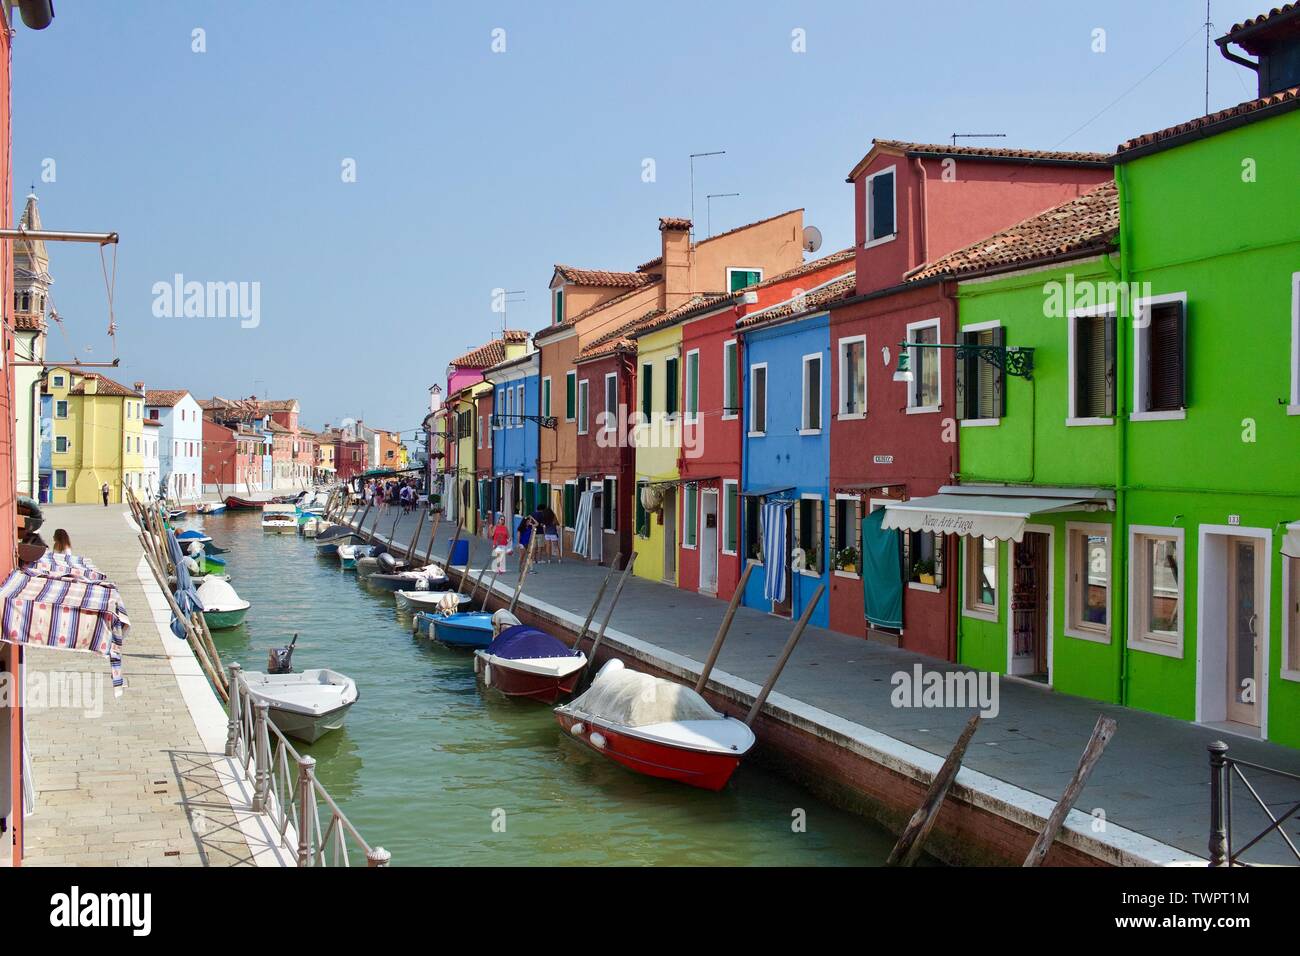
(32,279)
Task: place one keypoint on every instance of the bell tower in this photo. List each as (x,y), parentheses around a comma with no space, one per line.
(32,279)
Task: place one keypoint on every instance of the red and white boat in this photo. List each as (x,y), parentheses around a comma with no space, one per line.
(522,661)
(656,727)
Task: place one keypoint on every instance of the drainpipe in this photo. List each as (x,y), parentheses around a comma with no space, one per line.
(1119,552)
(33,466)
(925,213)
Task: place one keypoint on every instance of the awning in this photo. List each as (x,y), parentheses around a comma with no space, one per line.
(766,492)
(1291,540)
(989,511)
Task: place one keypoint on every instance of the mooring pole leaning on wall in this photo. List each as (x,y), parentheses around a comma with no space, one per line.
(723,629)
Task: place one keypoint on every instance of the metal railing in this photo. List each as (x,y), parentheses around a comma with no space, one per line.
(1223,771)
(285,787)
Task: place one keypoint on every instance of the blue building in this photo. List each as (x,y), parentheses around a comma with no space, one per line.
(512,489)
(786,460)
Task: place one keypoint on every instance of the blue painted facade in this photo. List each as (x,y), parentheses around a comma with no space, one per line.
(787,455)
(516,391)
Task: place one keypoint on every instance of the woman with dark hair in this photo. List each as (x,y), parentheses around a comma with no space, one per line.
(550,523)
(62,543)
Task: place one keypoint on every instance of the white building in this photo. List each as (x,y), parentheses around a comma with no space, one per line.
(149,446)
(180,441)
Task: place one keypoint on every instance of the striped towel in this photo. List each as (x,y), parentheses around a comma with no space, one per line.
(775,515)
(582,525)
(52,564)
(65,612)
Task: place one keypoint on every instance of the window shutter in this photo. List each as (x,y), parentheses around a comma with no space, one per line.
(961,367)
(647,390)
(939,541)
(1166,374)
(999,411)
(882,206)
(1108,331)
(570,396)
(671,398)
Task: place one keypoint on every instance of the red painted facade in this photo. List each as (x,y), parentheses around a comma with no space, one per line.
(943,201)
(10,655)
(602,455)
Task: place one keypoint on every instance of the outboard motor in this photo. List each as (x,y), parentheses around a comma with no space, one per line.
(279,660)
(389,564)
(503,619)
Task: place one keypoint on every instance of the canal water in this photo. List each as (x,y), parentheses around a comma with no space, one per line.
(439,772)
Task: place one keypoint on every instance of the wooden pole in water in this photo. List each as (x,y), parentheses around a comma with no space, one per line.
(1101,734)
(785,655)
(908,847)
(410,548)
(600,593)
(361,522)
(481,575)
(716,649)
(433,536)
(523,571)
(609,612)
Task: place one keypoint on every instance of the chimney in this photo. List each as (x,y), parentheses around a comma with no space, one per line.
(675,239)
(138,386)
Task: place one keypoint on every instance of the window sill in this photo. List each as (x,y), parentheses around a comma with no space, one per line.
(688,547)
(730,554)
(809,574)
(756,435)
(1290,675)
(1097,637)
(851,416)
(1156,647)
(980,422)
(849,575)
(1293,409)
(871,243)
(728,418)
(922,409)
(989,617)
(1083,422)
(917,586)
(807,432)
(1174,416)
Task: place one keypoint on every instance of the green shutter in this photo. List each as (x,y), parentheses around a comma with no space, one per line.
(670,400)
(569,510)
(647,390)
(559,306)
(546,398)
(642,526)
(571,396)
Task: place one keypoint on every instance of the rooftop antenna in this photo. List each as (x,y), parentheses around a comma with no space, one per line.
(694,156)
(506,300)
(957,136)
(708,204)
(1208,25)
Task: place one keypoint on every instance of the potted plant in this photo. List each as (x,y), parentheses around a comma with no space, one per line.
(923,571)
(846,560)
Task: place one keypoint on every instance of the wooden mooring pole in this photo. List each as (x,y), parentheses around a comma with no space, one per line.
(797,633)
(1101,734)
(600,593)
(609,612)
(716,649)
(908,847)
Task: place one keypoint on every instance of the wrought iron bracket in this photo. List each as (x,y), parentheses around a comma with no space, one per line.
(1011,359)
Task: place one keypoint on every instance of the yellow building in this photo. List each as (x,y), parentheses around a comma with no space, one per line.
(659,378)
(98,437)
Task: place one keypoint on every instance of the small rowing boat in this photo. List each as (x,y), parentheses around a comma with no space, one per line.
(306,705)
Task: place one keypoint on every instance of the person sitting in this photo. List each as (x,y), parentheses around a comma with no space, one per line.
(62,543)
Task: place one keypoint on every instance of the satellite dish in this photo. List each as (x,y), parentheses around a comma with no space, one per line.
(812,238)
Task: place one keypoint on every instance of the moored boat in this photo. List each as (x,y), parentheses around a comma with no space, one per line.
(210,507)
(429,600)
(306,705)
(235,503)
(349,554)
(328,541)
(469,629)
(525,662)
(191,535)
(222,606)
(656,727)
(279,518)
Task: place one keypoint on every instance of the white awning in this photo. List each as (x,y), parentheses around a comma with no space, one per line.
(1291,540)
(989,511)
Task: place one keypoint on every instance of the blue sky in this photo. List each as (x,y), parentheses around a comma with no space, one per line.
(477,170)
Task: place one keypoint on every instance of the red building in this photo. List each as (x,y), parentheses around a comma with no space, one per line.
(712,441)
(484,403)
(232,457)
(896,440)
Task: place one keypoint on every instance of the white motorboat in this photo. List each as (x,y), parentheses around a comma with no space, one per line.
(222,606)
(306,705)
(210,507)
(430,600)
(282,519)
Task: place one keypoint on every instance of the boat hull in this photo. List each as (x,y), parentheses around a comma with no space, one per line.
(472,630)
(708,771)
(223,620)
(276,527)
(306,727)
(242,504)
(505,679)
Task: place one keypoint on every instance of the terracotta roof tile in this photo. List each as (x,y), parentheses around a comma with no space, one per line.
(674,222)
(999,153)
(29,322)
(695,305)
(812,265)
(618,340)
(603,277)
(1084,224)
(1277,14)
(106,386)
(164,397)
(571,321)
(490,353)
(1279,102)
(842,288)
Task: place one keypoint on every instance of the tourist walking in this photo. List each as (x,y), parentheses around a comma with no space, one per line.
(550,523)
(104,492)
(501,545)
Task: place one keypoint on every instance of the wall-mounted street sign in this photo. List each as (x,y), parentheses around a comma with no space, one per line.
(882,459)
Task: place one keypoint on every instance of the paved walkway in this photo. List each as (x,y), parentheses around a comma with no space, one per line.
(135,780)
(1153,778)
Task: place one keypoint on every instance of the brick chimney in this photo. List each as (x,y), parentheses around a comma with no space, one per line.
(675,239)
(138,386)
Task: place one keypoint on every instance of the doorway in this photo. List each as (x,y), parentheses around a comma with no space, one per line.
(786,608)
(1233,628)
(1245,598)
(1030,607)
(709,542)
(669,514)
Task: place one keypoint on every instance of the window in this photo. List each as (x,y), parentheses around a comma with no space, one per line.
(61,409)
(730,513)
(609,504)
(642,516)
(519,406)
(1087,569)
(923,390)
(880,207)
(923,559)
(557,306)
(808,532)
(58,381)
(546,397)
(981,396)
(811,420)
(1160,358)
(738,279)
(1092,367)
(758,399)
(480,434)
(611,402)
(853,377)
(647,390)
(730,380)
(570,396)
(690,514)
(60,444)
(583,389)
(847,534)
(1155,605)
(60,478)
(1291,616)
(982,577)
(693,385)
(753,528)
(671,400)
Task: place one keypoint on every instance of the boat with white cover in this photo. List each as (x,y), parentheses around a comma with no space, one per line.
(306,705)
(222,606)
(279,518)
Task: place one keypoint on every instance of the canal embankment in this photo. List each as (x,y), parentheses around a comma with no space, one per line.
(141,779)
(831,725)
